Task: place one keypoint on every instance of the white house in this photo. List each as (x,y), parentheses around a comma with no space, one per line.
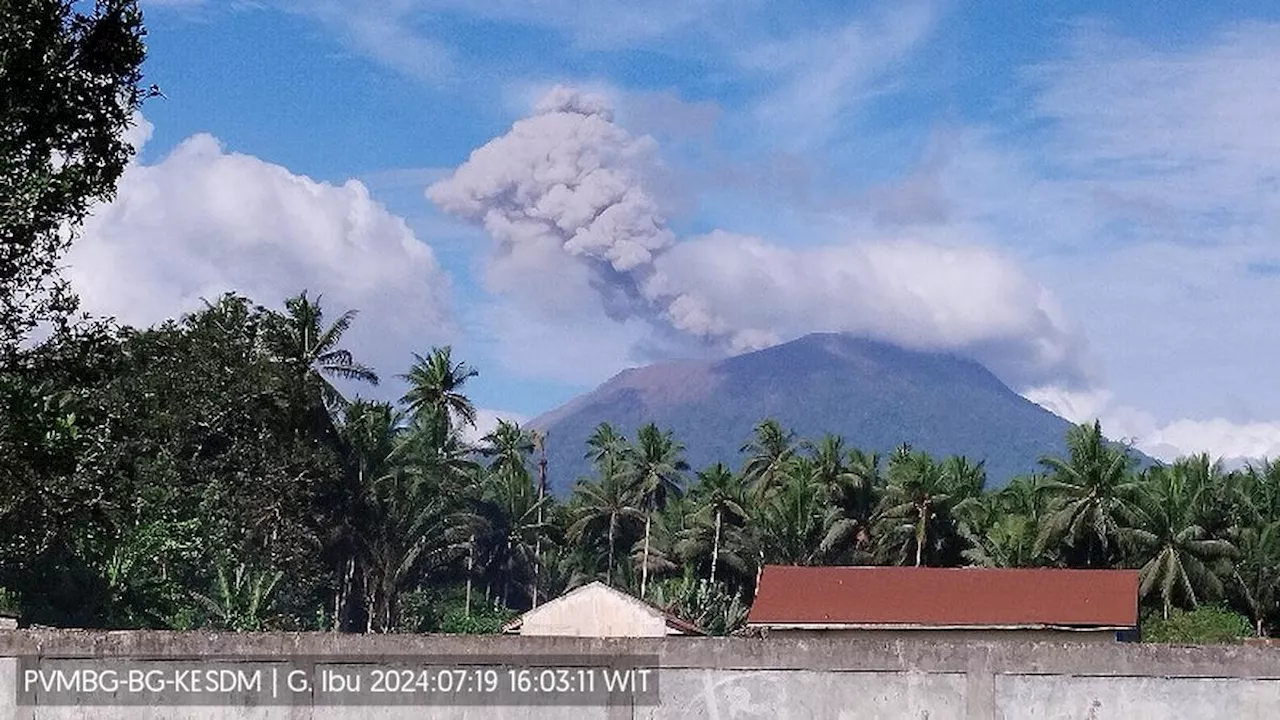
(598,610)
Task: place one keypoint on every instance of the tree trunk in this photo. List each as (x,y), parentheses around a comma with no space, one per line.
(542,493)
(715,545)
(612,533)
(644,567)
(471,558)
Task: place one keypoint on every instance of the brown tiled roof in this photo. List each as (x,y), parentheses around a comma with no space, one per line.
(944,597)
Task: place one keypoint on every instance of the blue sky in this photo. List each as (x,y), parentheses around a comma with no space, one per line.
(1083,196)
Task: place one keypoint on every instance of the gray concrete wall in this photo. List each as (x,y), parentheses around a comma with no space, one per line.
(770,677)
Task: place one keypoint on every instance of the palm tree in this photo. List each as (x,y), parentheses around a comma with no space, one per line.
(435,389)
(718,493)
(1092,491)
(506,525)
(1002,528)
(769,453)
(371,432)
(606,444)
(916,515)
(791,521)
(431,452)
(415,532)
(1257,573)
(507,446)
(1181,561)
(609,507)
(658,466)
(301,340)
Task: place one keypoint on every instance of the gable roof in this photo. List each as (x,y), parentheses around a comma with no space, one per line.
(673,622)
(888,597)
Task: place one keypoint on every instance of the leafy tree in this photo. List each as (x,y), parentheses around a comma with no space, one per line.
(69,83)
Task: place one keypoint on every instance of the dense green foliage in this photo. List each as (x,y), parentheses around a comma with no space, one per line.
(1205,624)
(69,84)
(208,472)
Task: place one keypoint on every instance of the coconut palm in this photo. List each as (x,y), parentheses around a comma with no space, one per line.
(915,520)
(1256,578)
(435,389)
(658,466)
(301,340)
(606,444)
(717,496)
(1002,527)
(1182,563)
(508,446)
(506,526)
(415,531)
(1092,493)
(791,521)
(769,454)
(609,509)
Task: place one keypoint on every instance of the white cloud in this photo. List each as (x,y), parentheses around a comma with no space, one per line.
(204,221)
(563,193)
(391,32)
(932,294)
(821,75)
(487,421)
(1182,140)
(1218,437)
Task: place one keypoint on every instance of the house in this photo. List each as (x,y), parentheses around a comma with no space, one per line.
(598,610)
(947,603)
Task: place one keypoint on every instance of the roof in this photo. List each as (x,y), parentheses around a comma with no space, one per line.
(672,621)
(891,597)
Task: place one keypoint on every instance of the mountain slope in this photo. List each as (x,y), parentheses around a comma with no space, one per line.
(876,395)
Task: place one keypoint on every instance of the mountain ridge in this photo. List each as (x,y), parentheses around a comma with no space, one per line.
(876,395)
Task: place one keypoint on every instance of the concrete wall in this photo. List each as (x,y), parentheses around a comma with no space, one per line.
(771,677)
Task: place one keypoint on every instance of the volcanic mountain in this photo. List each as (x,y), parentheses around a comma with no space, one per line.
(877,396)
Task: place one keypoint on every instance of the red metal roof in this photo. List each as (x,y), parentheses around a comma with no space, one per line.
(945,597)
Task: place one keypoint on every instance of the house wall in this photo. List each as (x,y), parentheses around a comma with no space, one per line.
(593,613)
(771,677)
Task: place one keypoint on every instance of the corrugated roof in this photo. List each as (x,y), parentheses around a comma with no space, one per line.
(945,597)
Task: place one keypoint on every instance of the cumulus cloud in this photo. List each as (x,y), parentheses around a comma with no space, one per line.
(1220,438)
(563,193)
(204,221)
(918,293)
